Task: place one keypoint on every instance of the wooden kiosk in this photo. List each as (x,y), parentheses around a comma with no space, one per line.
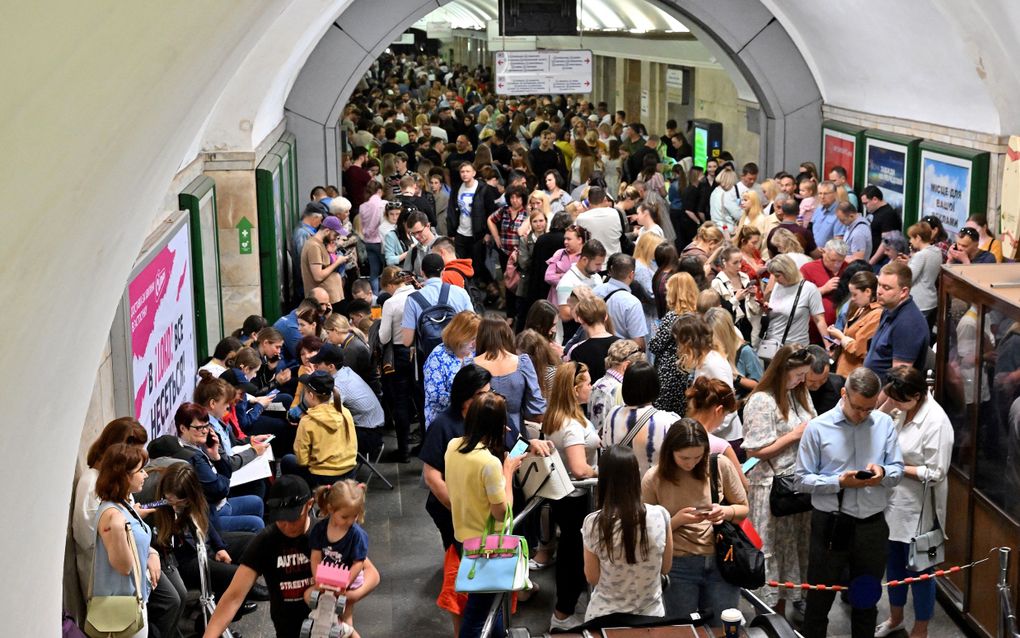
(977,382)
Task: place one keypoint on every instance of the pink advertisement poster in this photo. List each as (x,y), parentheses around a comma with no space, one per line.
(839,149)
(162,327)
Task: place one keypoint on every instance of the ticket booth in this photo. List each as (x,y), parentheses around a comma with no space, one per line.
(977,382)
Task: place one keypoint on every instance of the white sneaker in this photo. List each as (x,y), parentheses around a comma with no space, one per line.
(885,628)
(567,623)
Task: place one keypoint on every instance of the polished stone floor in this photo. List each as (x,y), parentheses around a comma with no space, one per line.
(405,546)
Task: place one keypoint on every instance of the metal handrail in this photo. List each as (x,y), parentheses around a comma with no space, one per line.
(1007,618)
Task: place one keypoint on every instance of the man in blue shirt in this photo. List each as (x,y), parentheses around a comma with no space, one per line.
(857,234)
(432,267)
(623,307)
(902,334)
(967,250)
(824,223)
(848,460)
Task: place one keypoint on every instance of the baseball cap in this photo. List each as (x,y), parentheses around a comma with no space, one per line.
(328,353)
(236,378)
(319,382)
(333,224)
(316,208)
(431,266)
(287,498)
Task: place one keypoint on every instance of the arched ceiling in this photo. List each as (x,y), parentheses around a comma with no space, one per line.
(596,15)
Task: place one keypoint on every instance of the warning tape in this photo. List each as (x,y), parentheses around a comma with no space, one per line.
(938,573)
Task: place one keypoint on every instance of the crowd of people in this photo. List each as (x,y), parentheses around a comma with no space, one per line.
(542,270)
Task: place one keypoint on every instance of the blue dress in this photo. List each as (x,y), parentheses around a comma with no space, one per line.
(523,395)
(438,372)
(107,580)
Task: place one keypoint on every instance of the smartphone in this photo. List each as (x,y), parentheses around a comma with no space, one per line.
(830,339)
(269,437)
(153,505)
(273,393)
(519,449)
(209,440)
(704,509)
(864,474)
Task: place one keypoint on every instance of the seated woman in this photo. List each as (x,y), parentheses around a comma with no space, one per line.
(249,412)
(640,388)
(214,468)
(180,526)
(627,545)
(123,561)
(681,482)
(326,446)
(456,350)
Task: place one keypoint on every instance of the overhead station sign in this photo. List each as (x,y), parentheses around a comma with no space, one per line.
(531,72)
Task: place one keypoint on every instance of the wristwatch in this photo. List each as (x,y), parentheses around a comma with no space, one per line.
(737,379)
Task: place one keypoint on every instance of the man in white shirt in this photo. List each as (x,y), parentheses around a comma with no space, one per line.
(602,221)
(623,307)
(583,273)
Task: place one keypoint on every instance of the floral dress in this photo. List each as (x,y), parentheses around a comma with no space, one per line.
(673,382)
(438,372)
(785,540)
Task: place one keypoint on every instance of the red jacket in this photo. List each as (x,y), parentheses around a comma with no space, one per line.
(458,271)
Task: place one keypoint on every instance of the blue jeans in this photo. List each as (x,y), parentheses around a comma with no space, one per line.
(240,514)
(924,591)
(695,585)
(475,612)
(375,264)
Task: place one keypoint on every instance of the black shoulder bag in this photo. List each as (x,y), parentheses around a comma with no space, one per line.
(740,563)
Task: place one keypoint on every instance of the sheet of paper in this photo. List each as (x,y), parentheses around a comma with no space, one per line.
(254,471)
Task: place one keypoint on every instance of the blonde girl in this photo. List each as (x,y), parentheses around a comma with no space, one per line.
(338,539)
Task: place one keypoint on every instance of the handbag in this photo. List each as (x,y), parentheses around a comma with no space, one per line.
(116,616)
(739,562)
(494,563)
(767,348)
(929,549)
(784,499)
(544,476)
(512,275)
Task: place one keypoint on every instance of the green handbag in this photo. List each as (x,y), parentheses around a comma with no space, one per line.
(116,616)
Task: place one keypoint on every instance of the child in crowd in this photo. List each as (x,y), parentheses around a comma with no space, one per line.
(338,539)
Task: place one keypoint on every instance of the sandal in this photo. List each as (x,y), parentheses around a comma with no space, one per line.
(885,628)
(534,565)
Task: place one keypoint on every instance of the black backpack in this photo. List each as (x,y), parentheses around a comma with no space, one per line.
(428,331)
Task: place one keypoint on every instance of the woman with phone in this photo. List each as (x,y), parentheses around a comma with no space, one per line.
(682,483)
(861,324)
(775,416)
(576,443)
(737,290)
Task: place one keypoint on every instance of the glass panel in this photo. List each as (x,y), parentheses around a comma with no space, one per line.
(210,270)
(958,383)
(997,439)
(281,237)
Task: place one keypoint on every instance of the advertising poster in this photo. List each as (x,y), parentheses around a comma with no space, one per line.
(162,335)
(887,169)
(840,149)
(700,146)
(945,189)
(1009,216)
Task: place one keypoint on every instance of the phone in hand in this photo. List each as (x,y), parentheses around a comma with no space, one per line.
(704,509)
(831,339)
(272,393)
(268,438)
(153,505)
(864,475)
(519,449)
(210,440)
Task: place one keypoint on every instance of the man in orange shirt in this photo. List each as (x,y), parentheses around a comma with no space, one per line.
(457,271)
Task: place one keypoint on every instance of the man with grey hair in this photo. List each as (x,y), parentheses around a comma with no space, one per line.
(824,223)
(822,384)
(824,273)
(848,461)
(858,232)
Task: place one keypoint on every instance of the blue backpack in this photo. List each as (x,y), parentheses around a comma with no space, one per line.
(428,333)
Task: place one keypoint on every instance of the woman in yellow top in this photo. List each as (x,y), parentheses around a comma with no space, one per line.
(681,482)
(326,446)
(479,483)
(861,324)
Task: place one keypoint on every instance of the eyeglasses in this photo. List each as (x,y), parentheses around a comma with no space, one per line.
(201,427)
(418,233)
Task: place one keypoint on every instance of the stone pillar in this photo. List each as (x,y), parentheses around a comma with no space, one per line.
(234,174)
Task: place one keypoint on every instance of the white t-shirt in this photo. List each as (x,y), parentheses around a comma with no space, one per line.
(465,198)
(572,279)
(780,304)
(604,225)
(574,433)
(654,229)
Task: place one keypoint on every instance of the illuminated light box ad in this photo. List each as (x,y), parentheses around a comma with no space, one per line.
(839,149)
(953,183)
(887,169)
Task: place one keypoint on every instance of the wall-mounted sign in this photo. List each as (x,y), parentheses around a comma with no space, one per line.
(644,103)
(839,149)
(154,335)
(953,184)
(530,72)
(675,85)
(439,30)
(887,169)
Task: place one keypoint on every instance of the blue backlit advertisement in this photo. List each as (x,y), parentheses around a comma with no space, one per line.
(945,189)
(887,169)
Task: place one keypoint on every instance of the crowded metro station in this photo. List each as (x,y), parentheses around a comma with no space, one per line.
(524,336)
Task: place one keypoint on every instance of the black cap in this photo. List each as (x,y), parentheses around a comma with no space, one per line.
(287,498)
(236,378)
(330,354)
(319,382)
(432,265)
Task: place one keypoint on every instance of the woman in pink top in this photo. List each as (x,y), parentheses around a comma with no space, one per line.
(371,213)
(562,260)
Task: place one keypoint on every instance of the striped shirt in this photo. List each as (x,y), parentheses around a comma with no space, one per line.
(646,445)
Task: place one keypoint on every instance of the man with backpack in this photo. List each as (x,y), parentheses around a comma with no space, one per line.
(429,310)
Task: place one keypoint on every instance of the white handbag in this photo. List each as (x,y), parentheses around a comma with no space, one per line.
(544,476)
